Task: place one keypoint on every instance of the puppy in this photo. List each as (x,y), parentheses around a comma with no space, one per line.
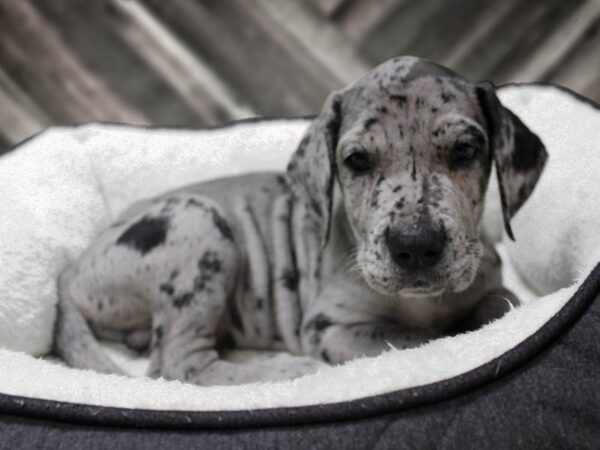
(371,238)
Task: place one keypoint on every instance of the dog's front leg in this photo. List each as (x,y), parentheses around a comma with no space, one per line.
(348,321)
(339,342)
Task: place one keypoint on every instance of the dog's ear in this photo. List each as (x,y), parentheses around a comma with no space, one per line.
(518,153)
(312,167)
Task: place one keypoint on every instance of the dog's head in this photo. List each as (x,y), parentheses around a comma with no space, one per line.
(411,145)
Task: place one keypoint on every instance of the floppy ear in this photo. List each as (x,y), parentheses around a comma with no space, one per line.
(312,167)
(519,154)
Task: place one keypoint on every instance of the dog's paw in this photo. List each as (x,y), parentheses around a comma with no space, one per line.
(493,306)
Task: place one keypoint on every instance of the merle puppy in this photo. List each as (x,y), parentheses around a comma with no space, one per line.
(371,238)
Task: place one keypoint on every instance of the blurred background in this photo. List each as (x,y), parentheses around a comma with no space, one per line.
(201,62)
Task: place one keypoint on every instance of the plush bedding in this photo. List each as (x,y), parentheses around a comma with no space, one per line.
(58,189)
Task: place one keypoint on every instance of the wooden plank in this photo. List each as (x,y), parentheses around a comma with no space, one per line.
(15,122)
(579,69)
(196,83)
(520,28)
(550,16)
(400,27)
(358,18)
(454,29)
(61,83)
(317,36)
(563,41)
(327,7)
(250,51)
(20,116)
(5,144)
(90,30)
(482,26)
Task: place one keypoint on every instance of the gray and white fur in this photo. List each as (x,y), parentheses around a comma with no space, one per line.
(372,238)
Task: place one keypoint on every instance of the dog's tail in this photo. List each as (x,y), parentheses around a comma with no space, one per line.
(74,340)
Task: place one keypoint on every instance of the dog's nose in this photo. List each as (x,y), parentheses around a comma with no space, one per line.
(416,246)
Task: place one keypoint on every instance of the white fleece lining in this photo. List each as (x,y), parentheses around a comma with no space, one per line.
(59,189)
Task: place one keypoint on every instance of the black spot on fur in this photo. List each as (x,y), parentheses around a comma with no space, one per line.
(397,189)
(281,180)
(209,262)
(315,327)
(290,278)
(383,110)
(208,265)
(318,323)
(376,192)
(375,198)
(447,97)
(183,300)
(399,99)
(260,303)
(158,335)
(325,357)
(369,123)
(413,173)
(234,316)
(146,234)
(316,207)
(221,225)
(167,288)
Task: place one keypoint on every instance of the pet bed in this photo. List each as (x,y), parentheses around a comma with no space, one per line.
(527,380)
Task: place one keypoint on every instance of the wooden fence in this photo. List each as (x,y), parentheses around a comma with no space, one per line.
(193,62)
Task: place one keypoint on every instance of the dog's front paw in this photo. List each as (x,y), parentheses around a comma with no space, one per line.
(493,306)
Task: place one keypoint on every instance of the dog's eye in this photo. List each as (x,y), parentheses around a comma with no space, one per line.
(463,153)
(359,162)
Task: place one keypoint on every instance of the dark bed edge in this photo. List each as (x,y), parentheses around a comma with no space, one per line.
(396,401)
